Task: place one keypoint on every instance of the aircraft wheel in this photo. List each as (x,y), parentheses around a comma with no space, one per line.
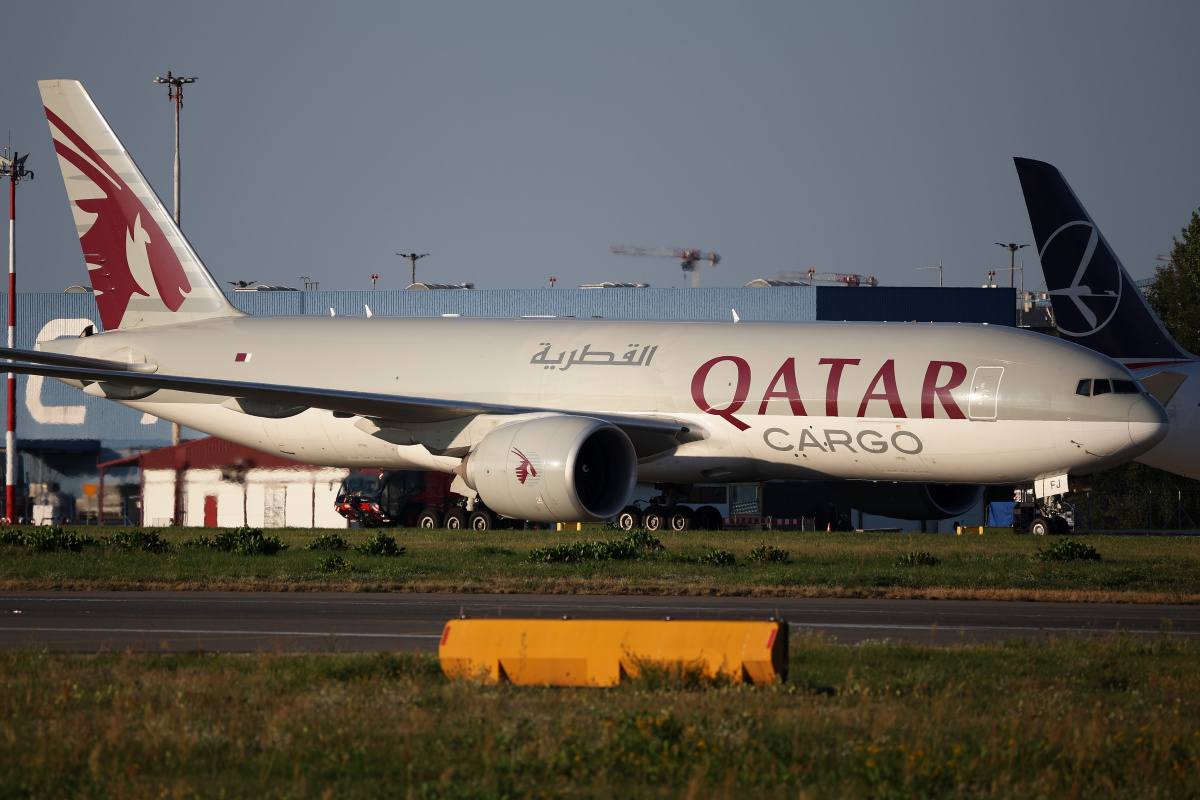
(1039,526)
(430,518)
(1060,525)
(456,519)
(482,520)
(680,519)
(629,518)
(654,519)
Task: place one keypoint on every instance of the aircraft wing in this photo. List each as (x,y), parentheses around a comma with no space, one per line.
(118,380)
(83,362)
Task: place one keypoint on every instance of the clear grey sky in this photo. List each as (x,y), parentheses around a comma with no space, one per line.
(515,141)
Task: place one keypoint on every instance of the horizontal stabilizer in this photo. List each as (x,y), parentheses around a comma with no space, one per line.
(82,362)
(1162,386)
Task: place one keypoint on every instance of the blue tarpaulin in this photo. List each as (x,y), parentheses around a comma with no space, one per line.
(1000,515)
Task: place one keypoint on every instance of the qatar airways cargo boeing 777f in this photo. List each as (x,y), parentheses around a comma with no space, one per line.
(556,419)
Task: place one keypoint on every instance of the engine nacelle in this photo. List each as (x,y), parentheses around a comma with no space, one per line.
(554,469)
(909,500)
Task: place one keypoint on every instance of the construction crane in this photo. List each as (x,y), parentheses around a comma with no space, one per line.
(812,278)
(688,259)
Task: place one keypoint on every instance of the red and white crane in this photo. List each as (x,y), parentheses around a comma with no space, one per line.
(689,259)
(812,277)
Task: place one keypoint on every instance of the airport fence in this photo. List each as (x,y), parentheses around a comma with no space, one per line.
(1138,508)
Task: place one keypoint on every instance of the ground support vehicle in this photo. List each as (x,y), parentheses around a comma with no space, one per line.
(413,499)
(788,505)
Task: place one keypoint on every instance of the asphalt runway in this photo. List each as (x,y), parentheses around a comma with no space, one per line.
(245,622)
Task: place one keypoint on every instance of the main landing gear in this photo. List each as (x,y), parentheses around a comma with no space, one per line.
(665,513)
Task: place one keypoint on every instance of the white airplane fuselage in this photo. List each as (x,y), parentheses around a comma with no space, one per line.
(969,404)
(1179,451)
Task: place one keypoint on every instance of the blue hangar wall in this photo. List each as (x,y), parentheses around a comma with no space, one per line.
(51,414)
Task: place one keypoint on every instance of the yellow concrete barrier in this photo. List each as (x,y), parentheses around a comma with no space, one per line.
(580,652)
(975,529)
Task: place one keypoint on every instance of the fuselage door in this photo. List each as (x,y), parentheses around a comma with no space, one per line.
(985,392)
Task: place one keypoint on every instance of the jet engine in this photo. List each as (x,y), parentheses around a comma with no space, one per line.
(554,469)
(909,500)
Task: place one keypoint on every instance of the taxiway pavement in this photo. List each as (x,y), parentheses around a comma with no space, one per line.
(243,622)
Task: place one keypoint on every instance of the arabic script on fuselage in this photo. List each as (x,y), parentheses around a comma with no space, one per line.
(587,357)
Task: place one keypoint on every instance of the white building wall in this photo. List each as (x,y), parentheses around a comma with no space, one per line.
(201,483)
(231,504)
(300,505)
(306,495)
(158,497)
(254,503)
(327,483)
(195,487)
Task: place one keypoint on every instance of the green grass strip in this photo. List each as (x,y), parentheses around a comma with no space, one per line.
(1104,717)
(756,563)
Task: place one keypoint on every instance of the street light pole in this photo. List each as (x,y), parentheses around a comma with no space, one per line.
(175,93)
(413,258)
(1012,249)
(13,169)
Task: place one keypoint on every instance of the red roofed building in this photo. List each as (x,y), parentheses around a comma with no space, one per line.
(214,483)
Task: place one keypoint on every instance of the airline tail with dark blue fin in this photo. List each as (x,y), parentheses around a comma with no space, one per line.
(1096,303)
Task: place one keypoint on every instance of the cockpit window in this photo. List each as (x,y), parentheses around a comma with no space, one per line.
(1098,386)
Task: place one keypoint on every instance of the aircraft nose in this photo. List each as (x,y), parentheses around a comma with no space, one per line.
(1148,423)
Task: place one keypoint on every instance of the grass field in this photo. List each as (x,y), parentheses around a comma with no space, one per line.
(1110,717)
(997,566)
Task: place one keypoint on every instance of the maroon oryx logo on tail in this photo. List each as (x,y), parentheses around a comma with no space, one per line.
(526,471)
(126,250)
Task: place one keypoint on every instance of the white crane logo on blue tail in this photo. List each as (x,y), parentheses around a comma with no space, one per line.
(1097,300)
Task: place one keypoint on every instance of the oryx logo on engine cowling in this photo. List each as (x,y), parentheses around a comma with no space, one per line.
(526,470)
(1095,289)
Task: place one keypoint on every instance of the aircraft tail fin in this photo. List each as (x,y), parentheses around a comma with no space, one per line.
(1096,302)
(143,271)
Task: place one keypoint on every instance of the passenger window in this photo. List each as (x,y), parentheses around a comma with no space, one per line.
(1125,387)
(1100,386)
(1084,388)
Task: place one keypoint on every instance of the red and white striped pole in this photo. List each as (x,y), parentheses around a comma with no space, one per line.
(10,438)
(14,170)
